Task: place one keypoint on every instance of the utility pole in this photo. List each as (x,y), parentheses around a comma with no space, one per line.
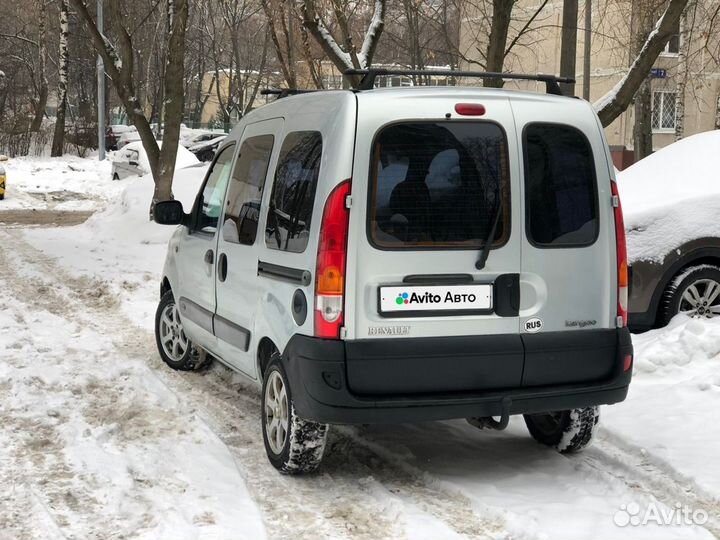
(587,49)
(568,46)
(101,89)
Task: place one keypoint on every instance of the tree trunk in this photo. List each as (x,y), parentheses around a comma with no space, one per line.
(642,129)
(568,46)
(174,101)
(59,135)
(502,11)
(615,102)
(686,23)
(642,22)
(41,101)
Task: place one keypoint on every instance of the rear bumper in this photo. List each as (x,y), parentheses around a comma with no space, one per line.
(557,371)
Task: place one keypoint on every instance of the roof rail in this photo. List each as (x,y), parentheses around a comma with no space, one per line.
(284,92)
(367,82)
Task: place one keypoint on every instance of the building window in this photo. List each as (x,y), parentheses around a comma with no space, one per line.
(663,112)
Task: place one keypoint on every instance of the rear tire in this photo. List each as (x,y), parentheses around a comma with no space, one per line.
(175,349)
(293,445)
(567,431)
(695,292)
(115,176)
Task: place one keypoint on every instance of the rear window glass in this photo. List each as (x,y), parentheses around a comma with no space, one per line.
(560,186)
(439,185)
(293,194)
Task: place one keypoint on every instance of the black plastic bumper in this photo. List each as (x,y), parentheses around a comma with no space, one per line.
(455,377)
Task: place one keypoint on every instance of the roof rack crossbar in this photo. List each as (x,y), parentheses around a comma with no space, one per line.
(367,82)
(284,92)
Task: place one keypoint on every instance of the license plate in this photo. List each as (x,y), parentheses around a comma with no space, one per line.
(435,300)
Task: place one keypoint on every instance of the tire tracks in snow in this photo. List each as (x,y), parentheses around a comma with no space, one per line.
(649,476)
(358,494)
(362,491)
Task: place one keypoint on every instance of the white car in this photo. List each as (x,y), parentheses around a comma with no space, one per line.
(490,281)
(198,138)
(132,161)
(127,138)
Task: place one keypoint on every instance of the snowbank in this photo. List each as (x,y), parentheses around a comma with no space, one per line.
(671,409)
(63,183)
(672,196)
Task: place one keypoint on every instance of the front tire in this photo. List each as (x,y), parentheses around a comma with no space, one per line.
(567,431)
(694,292)
(176,350)
(293,445)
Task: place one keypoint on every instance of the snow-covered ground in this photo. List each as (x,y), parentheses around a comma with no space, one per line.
(99,440)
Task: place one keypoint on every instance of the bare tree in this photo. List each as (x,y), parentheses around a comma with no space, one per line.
(568,46)
(345,55)
(495,56)
(685,39)
(615,102)
(119,65)
(41,101)
(63,61)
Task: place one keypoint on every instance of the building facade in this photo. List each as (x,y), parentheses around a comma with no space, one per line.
(614,37)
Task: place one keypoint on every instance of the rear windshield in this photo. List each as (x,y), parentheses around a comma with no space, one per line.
(560,186)
(439,185)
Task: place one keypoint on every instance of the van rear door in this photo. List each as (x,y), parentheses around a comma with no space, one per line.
(568,281)
(429,186)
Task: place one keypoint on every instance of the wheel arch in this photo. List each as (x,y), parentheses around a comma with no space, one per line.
(265,350)
(165,286)
(696,257)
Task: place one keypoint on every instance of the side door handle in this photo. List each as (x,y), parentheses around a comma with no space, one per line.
(222,267)
(209,256)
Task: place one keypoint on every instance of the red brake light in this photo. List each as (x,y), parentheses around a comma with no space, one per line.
(331,261)
(470,109)
(621,246)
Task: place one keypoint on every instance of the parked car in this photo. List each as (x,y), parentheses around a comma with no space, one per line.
(397,255)
(127,138)
(205,151)
(132,160)
(197,138)
(3,178)
(672,202)
(113,134)
(126,162)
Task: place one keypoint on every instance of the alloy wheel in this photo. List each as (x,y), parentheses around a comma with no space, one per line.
(701,299)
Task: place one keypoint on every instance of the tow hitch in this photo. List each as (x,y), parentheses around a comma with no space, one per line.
(489,422)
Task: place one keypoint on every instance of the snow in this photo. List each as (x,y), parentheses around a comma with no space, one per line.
(72,182)
(672,196)
(98,437)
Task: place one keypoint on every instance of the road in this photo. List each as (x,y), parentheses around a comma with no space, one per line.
(85,390)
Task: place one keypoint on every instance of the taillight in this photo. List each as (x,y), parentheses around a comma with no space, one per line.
(469,109)
(622,268)
(330,267)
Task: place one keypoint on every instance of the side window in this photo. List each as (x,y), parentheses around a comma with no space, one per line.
(209,203)
(560,187)
(242,210)
(293,193)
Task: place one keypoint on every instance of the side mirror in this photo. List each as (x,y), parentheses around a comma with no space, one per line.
(169,213)
(134,163)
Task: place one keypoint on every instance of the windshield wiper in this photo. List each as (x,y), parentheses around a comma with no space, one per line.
(480,264)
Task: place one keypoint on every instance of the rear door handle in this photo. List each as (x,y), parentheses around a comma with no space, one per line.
(209,258)
(222,267)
